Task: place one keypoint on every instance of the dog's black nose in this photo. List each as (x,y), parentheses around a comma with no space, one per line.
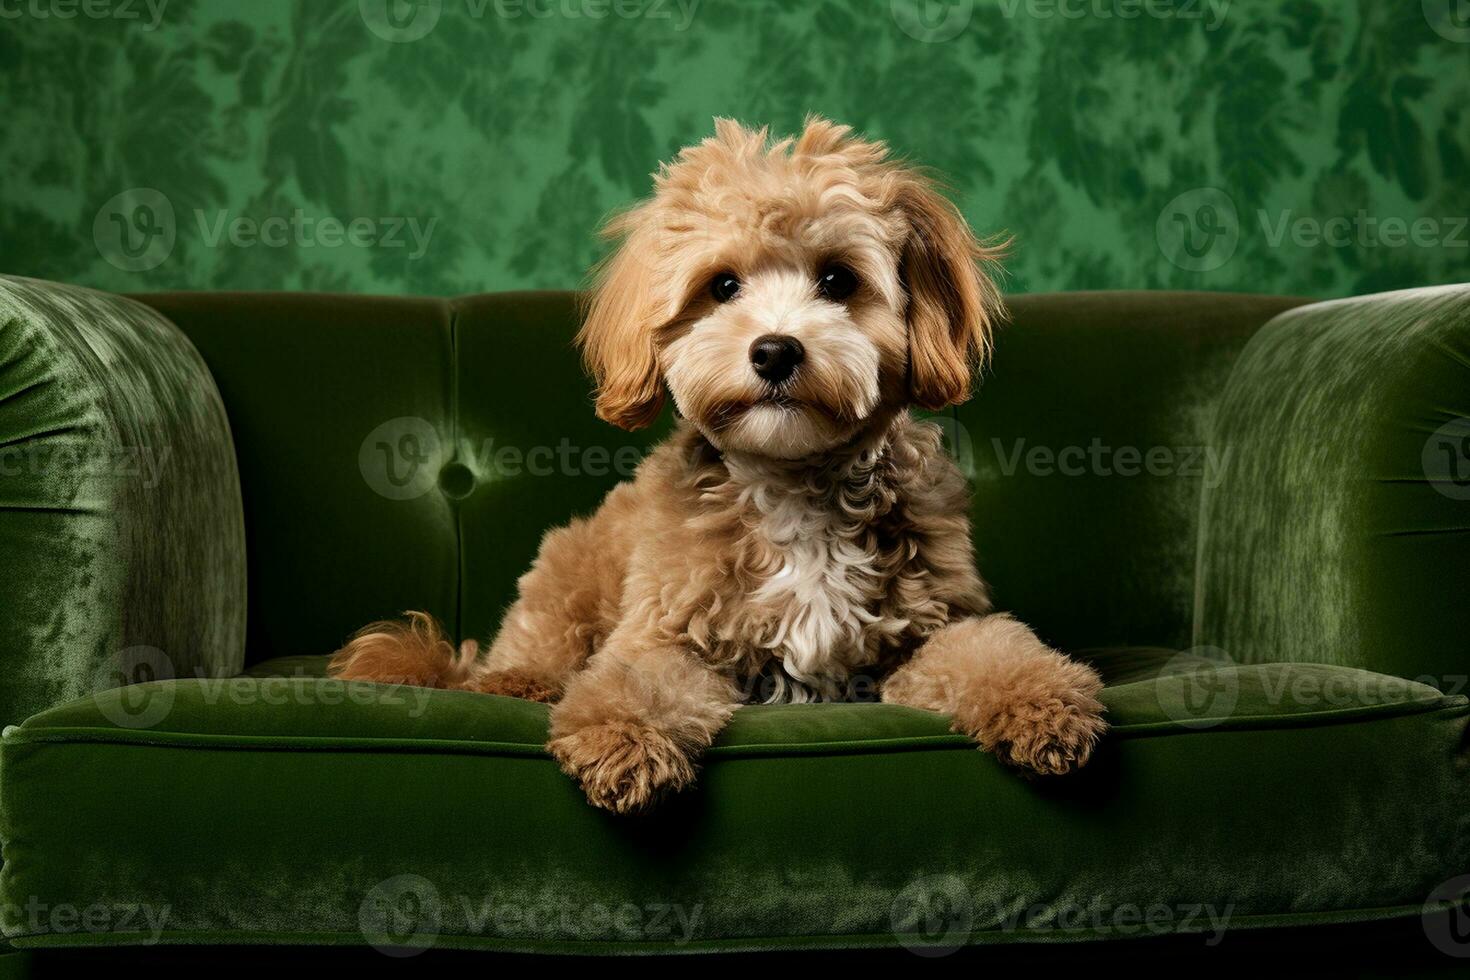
(774,356)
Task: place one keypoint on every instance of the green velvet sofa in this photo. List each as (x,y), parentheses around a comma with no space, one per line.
(1249,512)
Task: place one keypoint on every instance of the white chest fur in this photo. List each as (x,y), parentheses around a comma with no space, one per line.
(820,595)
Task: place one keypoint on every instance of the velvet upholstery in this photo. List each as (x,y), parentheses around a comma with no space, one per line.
(479,371)
(1087,448)
(404,453)
(1339,531)
(319,389)
(810,826)
(120,517)
(540,459)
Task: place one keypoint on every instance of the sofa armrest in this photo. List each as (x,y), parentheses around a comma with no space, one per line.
(120,518)
(1340,532)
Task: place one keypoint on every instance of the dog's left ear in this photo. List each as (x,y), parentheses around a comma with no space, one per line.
(617,335)
(953,304)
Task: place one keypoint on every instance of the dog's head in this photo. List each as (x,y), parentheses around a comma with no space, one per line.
(787,294)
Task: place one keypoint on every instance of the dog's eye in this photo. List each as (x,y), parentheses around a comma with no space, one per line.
(837,282)
(724,286)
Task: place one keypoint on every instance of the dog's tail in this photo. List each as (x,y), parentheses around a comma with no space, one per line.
(412,650)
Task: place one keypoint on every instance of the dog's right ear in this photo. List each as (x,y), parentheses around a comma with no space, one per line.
(618,330)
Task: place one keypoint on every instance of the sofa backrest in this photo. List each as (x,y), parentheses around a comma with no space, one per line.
(1088,445)
(398,453)
(305,379)
(409,453)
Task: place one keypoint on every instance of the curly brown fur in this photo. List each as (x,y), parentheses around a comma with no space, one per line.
(411,651)
(416,652)
(797,534)
(1030,705)
(631,725)
(512,684)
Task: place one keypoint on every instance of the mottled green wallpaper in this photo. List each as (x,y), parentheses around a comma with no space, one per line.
(448,146)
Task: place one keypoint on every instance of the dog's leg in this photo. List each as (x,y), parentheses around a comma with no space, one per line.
(632,725)
(566,606)
(1032,706)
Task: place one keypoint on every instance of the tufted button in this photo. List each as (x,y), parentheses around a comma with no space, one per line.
(456,480)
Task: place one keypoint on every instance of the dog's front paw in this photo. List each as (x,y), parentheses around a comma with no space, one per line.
(623,767)
(1046,723)
(1046,739)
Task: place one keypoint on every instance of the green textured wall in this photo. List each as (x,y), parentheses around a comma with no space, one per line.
(1290,146)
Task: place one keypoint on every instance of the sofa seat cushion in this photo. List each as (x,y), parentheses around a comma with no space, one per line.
(297,809)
